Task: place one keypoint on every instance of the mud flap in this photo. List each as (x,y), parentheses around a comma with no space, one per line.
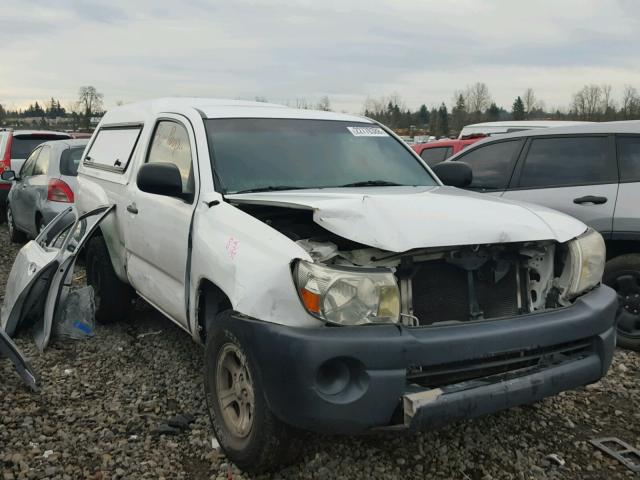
(10,350)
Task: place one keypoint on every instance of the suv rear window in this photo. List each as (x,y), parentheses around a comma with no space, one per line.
(23,145)
(568,161)
(112,147)
(629,158)
(69,161)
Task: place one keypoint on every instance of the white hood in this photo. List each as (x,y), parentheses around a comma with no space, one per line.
(398,219)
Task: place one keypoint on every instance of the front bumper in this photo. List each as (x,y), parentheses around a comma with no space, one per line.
(354,379)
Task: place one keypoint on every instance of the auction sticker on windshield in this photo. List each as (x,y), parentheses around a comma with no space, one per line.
(367,132)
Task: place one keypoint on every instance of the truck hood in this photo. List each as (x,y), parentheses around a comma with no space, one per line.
(399,219)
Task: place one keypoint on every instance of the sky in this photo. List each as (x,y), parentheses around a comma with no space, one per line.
(421,50)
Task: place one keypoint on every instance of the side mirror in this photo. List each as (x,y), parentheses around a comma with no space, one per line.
(9,175)
(161,178)
(455,174)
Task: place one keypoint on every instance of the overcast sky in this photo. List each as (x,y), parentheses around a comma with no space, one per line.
(422,50)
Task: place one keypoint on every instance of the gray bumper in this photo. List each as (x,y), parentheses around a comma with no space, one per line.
(354,379)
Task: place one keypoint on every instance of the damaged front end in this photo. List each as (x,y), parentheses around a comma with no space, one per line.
(432,334)
(351,284)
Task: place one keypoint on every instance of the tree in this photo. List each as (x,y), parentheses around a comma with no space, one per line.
(90,102)
(477,99)
(587,103)
(493,112)
(442,123)
(433,121)
(518,110)
(459,113)
(423,116)
(630,102)
(3,114)
(530,101)
(324,104)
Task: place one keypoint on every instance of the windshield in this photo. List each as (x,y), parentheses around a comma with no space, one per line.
(271,154)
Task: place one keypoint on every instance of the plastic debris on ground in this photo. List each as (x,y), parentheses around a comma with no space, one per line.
(75,317)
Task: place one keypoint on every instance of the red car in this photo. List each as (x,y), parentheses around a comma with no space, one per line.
(440,150)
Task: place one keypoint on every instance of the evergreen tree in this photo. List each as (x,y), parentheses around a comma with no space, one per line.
(443,121)
(433,120)
(518,111)
(493,112)
(423,116)
(459,114)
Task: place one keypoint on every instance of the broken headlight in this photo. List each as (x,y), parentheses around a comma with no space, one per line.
(348,296)
(585,264)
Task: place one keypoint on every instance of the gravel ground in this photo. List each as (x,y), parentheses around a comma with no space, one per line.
(103,398)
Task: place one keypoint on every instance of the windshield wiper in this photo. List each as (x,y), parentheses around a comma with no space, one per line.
(374,183)
(270,188)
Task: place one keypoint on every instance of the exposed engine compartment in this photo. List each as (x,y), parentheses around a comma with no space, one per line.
(444,284)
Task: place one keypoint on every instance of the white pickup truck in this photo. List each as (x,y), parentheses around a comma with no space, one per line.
(336,284)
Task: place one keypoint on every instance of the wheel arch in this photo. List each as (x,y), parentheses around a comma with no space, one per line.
(211,300)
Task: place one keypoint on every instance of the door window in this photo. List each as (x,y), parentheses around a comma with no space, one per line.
(29,164)
(566,161)
(629,158)
(170,144)
(42,163)
(435,155)
(492,164)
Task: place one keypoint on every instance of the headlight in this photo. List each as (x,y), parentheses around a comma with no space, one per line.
(585,264)
(348,296)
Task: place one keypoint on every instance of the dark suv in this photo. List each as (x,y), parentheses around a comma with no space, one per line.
(591,172)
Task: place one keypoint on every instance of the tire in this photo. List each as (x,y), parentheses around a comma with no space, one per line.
(265,443)
(623,274)
(15,235)
(106,284)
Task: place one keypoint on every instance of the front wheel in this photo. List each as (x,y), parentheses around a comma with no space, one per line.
(623,274)
(248,433)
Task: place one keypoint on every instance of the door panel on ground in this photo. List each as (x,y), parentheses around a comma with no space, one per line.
(156,264)
(575,175)
(492,165)
(626,217)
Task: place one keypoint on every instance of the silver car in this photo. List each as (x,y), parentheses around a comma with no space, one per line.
(43,188)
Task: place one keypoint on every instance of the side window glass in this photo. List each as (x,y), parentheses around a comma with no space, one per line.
(492,164)
(449,153)
(629,158)
(42,163)
(29,164)
(434,155)
(170,144)
(112,147)
(568,161)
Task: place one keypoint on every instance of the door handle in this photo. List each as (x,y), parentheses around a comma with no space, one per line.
(590,199)
(131,208)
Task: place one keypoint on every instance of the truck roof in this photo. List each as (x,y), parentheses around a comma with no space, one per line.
(217,108)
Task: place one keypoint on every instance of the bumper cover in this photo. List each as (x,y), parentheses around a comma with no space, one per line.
(354,379)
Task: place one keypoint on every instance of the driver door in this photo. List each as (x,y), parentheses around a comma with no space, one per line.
(158,226)
(19,199)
